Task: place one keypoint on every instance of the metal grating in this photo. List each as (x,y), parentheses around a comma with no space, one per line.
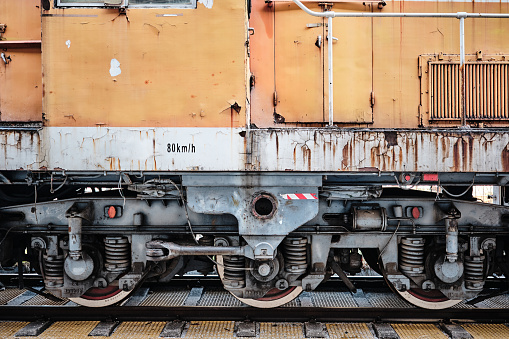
(486,91)
(9,294)
(166,297)
(218,297)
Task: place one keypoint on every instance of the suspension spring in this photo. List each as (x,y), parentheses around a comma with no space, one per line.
(234,271)
(411,256)
(117,250)
(474,272)
(53,270)
(295,254)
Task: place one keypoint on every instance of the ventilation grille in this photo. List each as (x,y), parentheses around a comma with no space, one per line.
(487,91)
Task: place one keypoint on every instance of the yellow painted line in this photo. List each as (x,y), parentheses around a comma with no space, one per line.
(418,331)
(138,330)
(353,330)
(488,331)
(9,328)
(281,330)
(210,329)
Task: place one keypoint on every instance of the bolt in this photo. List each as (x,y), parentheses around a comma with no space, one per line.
(264,270)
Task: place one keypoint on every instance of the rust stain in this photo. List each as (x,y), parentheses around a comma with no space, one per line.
(346,155)
(505,158)
(277,146)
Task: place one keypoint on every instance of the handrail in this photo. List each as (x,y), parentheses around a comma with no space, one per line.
(459,15)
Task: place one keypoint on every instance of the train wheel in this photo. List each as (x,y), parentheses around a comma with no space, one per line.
(101,297)
(274,298)
(432,299)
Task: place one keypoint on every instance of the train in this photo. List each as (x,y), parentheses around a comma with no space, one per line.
(274,142)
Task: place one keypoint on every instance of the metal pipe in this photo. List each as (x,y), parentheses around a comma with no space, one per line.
(398,15)
(462,69)
(331,76)
(158,250)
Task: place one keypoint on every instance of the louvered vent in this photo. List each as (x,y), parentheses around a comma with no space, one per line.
(487,91)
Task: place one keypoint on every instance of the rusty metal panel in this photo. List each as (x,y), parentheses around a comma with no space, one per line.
(224,149)
(20,150)
(147,66)
(381,150)
(20,63)
(146,149)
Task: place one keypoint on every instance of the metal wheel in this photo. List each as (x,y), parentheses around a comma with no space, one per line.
(101,297)
(432,299)
(274,298)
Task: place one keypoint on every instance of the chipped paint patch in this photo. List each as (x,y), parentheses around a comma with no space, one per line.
(207,3)
(115,68)
(68,43)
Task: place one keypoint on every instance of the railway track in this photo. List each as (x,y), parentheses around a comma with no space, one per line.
(194,299)
(187,309)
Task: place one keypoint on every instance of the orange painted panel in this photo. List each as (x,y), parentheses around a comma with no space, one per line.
(398,42)
(353,66)
(299,64)
(20,75)
(147,67)
(262,63)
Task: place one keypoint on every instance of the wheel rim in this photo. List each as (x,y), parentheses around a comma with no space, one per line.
(432,299)
(273,298)
(101,297)
(423,301)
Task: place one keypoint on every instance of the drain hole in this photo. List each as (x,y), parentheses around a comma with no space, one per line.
(264,206)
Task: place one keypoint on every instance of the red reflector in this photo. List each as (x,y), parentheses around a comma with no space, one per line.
(112,212)
(430,177)
(416,213)
(407,177)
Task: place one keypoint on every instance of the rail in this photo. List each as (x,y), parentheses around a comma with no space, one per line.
(459,15)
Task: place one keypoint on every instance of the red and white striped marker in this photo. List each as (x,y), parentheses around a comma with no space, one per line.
(299,196)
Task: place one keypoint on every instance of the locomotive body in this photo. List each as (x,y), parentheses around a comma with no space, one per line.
(168,136)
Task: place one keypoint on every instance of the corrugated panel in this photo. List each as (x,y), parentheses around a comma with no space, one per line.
(486,91)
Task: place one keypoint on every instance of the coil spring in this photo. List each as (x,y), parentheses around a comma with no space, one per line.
(411,256)
(234,271)
(474,272)
(117,250)
(295,254)
(53,266)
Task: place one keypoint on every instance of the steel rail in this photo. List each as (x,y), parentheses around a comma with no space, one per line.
(459,15)
(285,314)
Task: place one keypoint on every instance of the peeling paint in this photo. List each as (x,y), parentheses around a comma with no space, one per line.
(115,68)
(68,43)
(207,3)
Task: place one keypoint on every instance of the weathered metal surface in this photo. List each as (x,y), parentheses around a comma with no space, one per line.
(374,59)
(381,150)
(223,149)
(148,66)
(187,149)
(20,62)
